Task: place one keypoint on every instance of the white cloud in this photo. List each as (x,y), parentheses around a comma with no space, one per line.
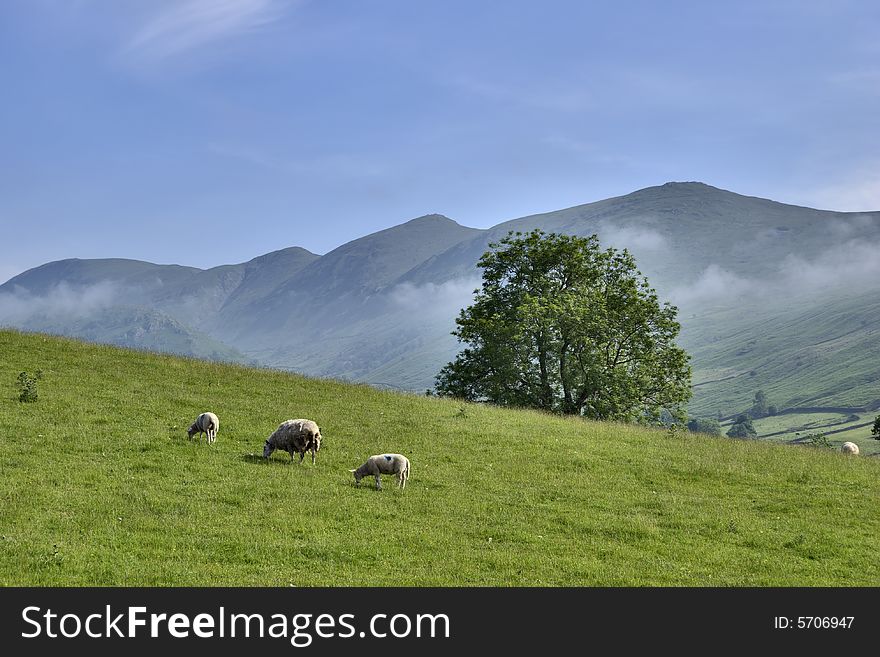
(634,239)
(436,300)
(853,225)
(852,265)
(713,284)
(62,300)
(192,24)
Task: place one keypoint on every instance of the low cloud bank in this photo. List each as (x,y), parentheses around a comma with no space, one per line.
(636,240)
(854,266)
(435,300)
(62,300)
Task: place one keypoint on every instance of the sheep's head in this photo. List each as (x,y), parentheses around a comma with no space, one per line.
(267,450)
(192,429)
(317,442)
(357,476)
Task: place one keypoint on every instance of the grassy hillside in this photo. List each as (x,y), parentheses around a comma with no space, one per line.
(101,486)
(826,355)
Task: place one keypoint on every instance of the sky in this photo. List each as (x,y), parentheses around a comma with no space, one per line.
(205,132)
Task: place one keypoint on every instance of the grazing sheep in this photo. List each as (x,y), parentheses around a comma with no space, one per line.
(294,436)
(384,464)
(206,423)
(849,448)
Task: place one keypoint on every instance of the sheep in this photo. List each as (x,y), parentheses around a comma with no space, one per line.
(849,448)
(384,464)
(294,436)
(206,423)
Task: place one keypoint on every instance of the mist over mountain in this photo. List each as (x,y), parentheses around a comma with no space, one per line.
(380,308)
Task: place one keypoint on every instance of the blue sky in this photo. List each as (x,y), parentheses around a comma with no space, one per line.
(208,132)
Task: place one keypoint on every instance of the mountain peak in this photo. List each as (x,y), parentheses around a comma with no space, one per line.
(429,219)
(688,184)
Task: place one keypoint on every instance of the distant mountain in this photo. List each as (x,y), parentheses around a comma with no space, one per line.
(380,309)
(138,328)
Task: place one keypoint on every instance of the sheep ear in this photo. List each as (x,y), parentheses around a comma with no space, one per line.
(354,470)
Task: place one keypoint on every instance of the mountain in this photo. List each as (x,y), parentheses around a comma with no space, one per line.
(379,309)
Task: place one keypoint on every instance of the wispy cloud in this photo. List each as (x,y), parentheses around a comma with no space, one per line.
(636,239)
(61,301)
(185,26)
(851,265)
(434,300)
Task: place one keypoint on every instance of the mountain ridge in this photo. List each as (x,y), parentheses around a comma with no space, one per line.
(380,308)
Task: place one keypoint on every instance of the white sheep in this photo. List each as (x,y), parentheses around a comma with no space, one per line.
(849,448)
(384,464)
(206,423)
(294,436)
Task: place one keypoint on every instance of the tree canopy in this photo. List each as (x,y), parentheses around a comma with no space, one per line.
(742,427)
(709,426)
(565,326)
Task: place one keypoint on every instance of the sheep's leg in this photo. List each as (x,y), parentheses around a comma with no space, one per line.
(378,483)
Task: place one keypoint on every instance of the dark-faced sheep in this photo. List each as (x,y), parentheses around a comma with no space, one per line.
(206,423)
(294,437)
(384,464)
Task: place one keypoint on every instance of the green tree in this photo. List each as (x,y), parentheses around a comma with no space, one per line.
(759,405)
(742,427)
(709,426)
(563,325)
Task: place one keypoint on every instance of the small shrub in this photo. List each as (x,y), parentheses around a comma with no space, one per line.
(673,431)
(27,386)
(817,440)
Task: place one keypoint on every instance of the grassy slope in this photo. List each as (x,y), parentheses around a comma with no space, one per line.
(828,355)
(100,486)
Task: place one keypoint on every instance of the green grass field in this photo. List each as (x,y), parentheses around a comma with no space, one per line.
(837,428)
(100,486)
